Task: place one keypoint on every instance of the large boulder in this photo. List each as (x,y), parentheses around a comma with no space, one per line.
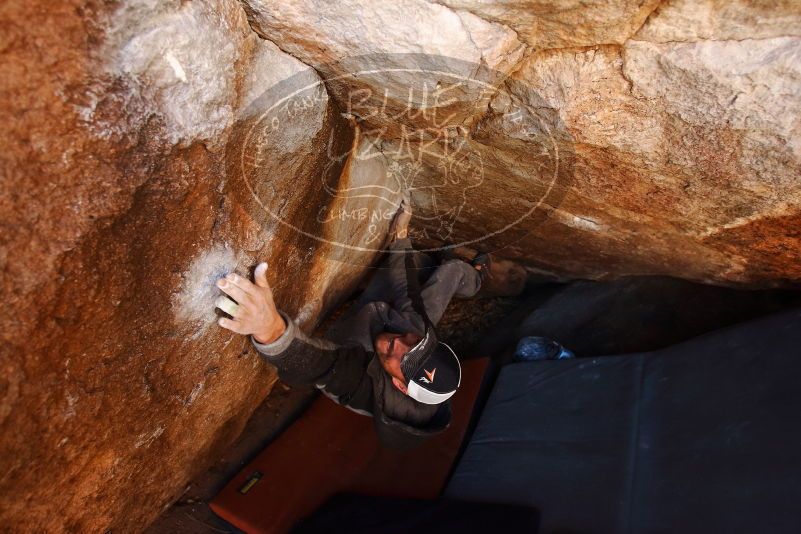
(152,147)
(120,209)
(677,122)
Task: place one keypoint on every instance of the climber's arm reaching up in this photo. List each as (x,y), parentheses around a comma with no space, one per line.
(299,359)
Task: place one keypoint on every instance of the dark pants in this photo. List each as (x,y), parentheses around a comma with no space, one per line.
(439,284)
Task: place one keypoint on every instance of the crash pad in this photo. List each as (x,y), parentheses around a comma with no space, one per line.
(700,437)
(331,450)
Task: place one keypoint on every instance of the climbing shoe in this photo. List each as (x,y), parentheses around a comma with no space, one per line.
(499,277)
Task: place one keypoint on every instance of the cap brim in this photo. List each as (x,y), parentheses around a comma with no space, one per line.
(425,396)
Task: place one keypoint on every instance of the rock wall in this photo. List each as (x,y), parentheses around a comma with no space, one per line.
(118,214)
(143,157)
(683,119)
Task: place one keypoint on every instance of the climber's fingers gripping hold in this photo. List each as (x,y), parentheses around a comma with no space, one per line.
(254,310)
(399,228)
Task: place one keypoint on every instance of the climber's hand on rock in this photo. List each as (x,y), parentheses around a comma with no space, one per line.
(400,224)
(254,312)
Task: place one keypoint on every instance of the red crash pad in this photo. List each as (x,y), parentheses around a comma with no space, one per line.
(329,450)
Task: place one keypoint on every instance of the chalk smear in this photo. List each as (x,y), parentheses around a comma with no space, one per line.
(193,305)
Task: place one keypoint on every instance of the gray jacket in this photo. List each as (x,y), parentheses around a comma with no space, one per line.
(347,370)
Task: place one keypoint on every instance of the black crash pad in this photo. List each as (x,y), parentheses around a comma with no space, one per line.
(701,437)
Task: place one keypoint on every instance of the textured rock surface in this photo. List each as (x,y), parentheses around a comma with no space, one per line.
(140,162)
(683,120)
(563,23)
(117,217)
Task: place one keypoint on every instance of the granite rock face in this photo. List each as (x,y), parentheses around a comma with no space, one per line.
(151,147)
(119,212)
(678,127)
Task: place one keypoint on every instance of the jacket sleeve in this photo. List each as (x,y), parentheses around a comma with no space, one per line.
(399,256)
(405,286)
(340,371)
(353,378)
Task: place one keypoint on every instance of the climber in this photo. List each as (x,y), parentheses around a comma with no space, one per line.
(382,358)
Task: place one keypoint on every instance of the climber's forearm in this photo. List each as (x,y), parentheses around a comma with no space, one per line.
(301,359)
(398,276)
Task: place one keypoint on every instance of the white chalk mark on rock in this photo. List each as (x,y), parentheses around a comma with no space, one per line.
(582,222)
(176,66)
(144,439)
(194,303)
(71,402)
(306,312)
(194,394)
